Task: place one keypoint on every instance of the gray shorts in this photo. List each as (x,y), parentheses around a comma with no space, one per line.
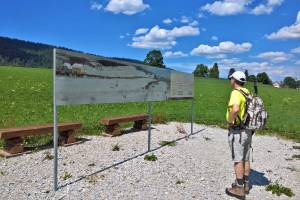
(240,144)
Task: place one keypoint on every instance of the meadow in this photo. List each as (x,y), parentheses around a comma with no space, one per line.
(26,99)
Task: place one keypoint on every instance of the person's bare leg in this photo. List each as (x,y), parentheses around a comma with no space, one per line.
(246,177)
(239,170)
(247,168)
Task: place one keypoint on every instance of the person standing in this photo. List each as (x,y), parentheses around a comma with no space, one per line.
(239,138)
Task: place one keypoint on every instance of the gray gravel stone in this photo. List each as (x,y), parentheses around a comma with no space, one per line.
(198,168)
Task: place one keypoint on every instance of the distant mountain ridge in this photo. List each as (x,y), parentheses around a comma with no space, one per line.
(15,52)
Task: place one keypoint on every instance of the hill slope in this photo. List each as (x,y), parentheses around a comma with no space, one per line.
(14,52)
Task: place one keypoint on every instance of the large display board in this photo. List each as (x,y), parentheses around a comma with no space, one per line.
(87,79)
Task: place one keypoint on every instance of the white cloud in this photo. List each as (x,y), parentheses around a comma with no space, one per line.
(194,23)
(280,72)
(252,67)
(262,9)
(296,50)
(163,38)
(223,48)
(276,72)
(176,54)
(127,7)
(200,15)
(141,31)
(95,6)
(184,31)
(275,2)
(275,57)
(287,32)
(217,56)
(185,20)
(229,61)
(266,8)
(233,7)
(226,7)
(215,38)
(297,62)
(189,21)
(167,21)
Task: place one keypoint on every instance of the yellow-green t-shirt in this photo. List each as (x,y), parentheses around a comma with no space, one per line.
(236,97)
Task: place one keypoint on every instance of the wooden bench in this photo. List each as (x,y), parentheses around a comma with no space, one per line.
(13,137)
(112,126)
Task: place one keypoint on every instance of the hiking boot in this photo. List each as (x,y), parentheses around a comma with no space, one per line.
(236,191)
(246,187)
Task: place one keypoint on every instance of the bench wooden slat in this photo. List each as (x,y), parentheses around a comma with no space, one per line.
(37,130)
(116,120)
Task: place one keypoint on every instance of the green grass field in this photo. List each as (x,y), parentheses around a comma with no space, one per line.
(26,99)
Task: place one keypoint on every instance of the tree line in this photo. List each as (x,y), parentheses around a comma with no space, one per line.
(290,82)
(262,77)
(155,58)
(203,71)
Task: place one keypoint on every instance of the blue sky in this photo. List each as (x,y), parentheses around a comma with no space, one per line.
(258,35)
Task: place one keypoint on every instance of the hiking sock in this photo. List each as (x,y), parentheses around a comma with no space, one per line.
(246,178)
(240,182)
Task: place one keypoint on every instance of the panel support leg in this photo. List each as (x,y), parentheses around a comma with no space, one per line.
(149,124)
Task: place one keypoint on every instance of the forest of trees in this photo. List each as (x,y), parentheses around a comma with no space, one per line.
(22,53)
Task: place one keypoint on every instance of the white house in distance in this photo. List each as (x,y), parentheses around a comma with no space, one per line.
(276,85)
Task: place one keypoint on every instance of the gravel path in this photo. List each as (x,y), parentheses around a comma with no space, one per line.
(199,168)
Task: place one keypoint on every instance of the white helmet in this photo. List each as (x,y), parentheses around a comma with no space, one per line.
(239,76)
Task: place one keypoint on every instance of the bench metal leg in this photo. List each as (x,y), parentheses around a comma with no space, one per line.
(140,125)
(113,130)
(67,137)
(12,146)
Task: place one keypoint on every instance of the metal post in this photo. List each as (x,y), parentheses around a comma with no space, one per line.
(55,135)
(255,88)
(149,125)
(192,116)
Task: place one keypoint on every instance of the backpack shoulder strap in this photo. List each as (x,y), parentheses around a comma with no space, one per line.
(243,93)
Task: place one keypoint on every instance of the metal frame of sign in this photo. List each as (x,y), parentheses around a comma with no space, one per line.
(149,121)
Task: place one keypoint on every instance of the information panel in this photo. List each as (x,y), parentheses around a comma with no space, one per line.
(88,79)
(182,85)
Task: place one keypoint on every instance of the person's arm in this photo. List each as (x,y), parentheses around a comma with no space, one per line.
(233,108)
(233,114)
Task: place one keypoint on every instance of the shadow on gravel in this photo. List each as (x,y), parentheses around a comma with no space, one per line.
(258,178)
(49,145)
(126,160)
(132,130)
